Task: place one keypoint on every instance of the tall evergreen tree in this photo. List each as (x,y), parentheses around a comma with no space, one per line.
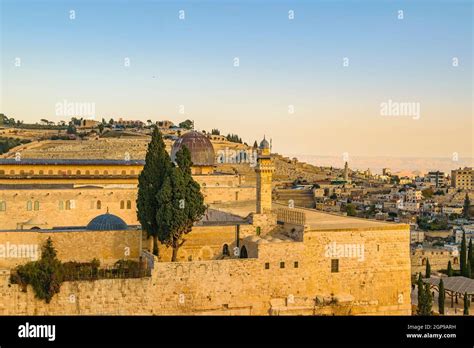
(157,167)
(420,294)
(441,296)
(468,270)
(467,304)
(450,269)
(470,259)
(462,262)
(465,208)
(427,301)
(428,269)
(182,203)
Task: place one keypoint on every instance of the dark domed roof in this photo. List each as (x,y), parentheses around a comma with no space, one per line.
(106,222)
(264,144)
(202,151)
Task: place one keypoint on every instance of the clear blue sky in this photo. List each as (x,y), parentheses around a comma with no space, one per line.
(282,62)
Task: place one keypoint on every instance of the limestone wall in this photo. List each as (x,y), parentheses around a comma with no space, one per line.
(378,284)
(438,260)
(81,246)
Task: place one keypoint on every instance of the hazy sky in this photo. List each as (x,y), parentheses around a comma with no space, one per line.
(285,64)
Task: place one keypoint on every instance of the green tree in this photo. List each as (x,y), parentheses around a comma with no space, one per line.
(428,269)
(441,296)
(351,210)
(420,294)
(150,181)
(467,304)
(470,257)
(427,301)
(465,208)
(44,275)
(215,132)
(182,203)
(188,124)
(101,127)
(450,269)
(462,261)
(71,129)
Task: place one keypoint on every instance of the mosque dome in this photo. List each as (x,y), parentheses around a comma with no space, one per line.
(106,222)
(202,151)
(264,144)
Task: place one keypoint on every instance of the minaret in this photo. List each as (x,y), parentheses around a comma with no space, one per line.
(346,172)
(264,172)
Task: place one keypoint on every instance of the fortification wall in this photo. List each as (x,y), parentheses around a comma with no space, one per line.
(438,260)
(81,246)
(257,286)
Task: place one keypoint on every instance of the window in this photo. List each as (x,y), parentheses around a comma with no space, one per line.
(122,205)
(124,172)
(132,172)
(282,265)
(29,205)
(68,205)
(61,205)
(106,172)
(2,172)
(78,172)
(41,172)
(88,172)
(50,172)
(99,205)
(129,204)
(3,206)
(37,205)
(69,172)
(12,172)
(267,265)
(295,264)
(96,172)
(334,265)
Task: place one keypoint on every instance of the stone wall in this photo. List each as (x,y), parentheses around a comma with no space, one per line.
(81,246)
(285,278)
(438,260)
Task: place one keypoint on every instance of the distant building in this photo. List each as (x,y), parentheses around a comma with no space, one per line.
(463,178)
(128,123)
(413,195)
(164,124)
(436,178)
(89,124)
(386,171)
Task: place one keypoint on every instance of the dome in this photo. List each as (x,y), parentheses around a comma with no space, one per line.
(202,151)
(106,222)
(264,144)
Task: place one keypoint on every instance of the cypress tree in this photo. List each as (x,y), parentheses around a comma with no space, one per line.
(470,259)
(468,270)
(181,203)
(427,301)
(420,294)
(465,209)
(428,269)
(150,181)
(441,297)
(462,262)
(466,304)
(450,269)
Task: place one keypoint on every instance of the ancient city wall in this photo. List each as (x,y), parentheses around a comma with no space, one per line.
(438,260)
(380,284)
(81,246)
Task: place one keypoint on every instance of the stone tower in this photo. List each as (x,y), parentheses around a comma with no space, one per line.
(264,171)
(346,172)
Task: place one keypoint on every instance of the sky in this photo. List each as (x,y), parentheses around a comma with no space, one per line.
(314,83)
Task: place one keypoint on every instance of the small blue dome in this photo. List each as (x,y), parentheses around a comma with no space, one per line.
(106,222)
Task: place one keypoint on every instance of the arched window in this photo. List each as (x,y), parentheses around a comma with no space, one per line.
(88,172)
(41,172)
(12,172)
(423,262)
(2,172)
(37,205)
(99,205)
(243,253)
(78,172)
(225,250)
(106,172)
(122,205)
(32,172)
(96,172)
(124,172)
(129,204)
(68,205)
(29,205)
(69,172)
(50,172)
(22,172)
(61,205)
(3,206)
(455,261)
